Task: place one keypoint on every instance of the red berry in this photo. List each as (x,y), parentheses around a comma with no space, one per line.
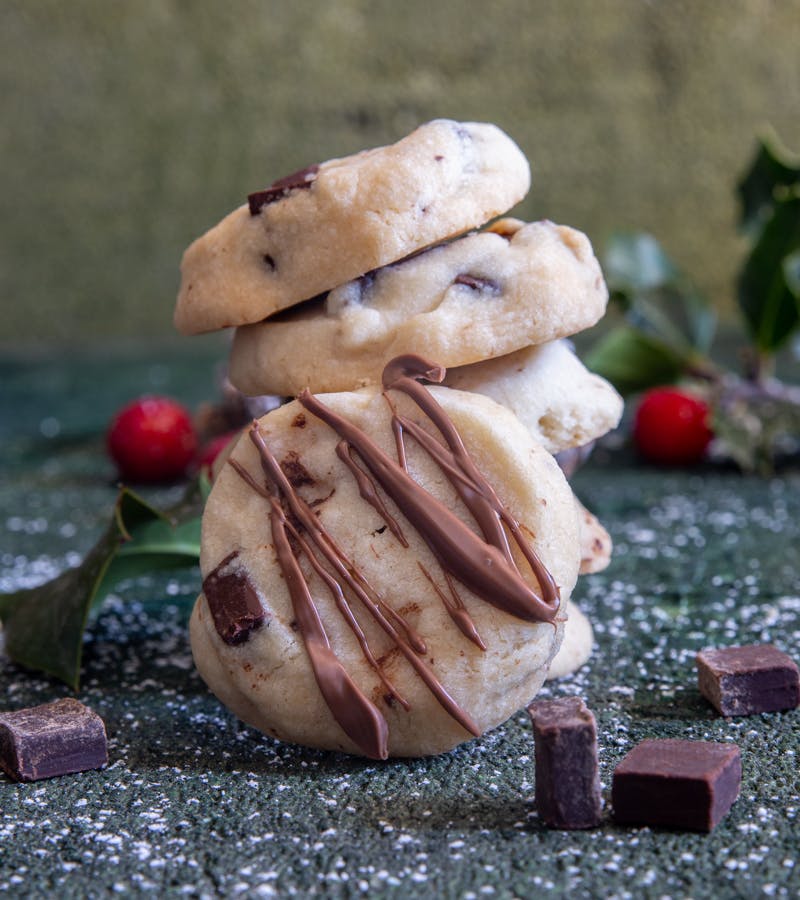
(671,427)
(152,439)
(210,451)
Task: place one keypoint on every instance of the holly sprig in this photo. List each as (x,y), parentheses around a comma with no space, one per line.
(667,328)
(43,626)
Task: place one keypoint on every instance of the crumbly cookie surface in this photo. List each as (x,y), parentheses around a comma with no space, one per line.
(596,543)
(328,224)
(576,647)
(268,678)
(551,392)
(478,297)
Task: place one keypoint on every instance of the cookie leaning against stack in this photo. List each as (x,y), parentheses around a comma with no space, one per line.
(320,580)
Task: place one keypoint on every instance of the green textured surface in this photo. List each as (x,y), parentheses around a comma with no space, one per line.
(195,804)
(130,128)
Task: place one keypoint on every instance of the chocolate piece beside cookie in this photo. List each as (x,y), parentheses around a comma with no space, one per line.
(567,777)
(58,738)
(677,784)
(744,681)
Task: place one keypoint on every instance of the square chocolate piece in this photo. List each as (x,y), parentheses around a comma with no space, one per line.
(57,738)
(743,681)
(567,781)
(676,784)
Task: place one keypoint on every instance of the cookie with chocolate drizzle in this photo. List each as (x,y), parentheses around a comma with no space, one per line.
(384,571)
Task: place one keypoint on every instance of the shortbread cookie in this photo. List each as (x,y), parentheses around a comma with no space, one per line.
(480,296)
(322,226)
(576,648)
(550,390)
(596,543)
(448,636)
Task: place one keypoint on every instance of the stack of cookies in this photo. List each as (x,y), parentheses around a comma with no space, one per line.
(388,559)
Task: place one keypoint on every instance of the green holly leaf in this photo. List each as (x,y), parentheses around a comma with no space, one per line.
(635,262)
(767,287)
(634,361)
(791,272)
(773,168)
(656,297)
(44,626)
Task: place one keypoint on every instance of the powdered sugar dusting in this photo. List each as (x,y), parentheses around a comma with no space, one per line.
(196,804)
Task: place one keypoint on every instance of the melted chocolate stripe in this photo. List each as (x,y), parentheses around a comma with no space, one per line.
(333,586)
(344,608)
(332,552)
(455,609)
(243,473)
(358,716)
(487,515)
(354,580)
(401,374)
(470,493)
(366,487)
(368,490)
(397,431)
(481,567)
(480,496)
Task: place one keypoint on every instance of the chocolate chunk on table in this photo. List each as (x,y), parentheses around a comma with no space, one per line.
(743,681)
(57,738)
(567,781)
(677,784)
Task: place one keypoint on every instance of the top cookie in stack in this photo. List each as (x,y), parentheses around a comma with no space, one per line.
(327,224)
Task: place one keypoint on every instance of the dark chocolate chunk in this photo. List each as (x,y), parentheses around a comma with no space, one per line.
(233,601)
(567,781)
(302,178)
(743,681)
(486,285)
(57,738)
(676,784)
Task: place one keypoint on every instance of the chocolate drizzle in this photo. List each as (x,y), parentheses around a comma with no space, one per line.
(484,565)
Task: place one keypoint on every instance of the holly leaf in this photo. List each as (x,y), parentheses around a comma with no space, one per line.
(791,272)
(635,262)
(634,361)
(655,295)
(767,287)
(773,168)
(43,626)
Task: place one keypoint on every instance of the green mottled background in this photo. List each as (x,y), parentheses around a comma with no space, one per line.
(130,127)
